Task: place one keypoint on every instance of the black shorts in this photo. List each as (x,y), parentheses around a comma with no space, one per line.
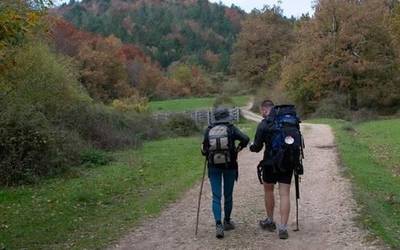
(272,178)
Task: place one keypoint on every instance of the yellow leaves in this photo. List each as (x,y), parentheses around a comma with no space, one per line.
(16,21)
(134,103)
(33,18)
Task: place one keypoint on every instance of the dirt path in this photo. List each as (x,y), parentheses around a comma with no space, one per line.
(327,209)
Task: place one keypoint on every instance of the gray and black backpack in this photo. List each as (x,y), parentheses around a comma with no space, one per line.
(219,138)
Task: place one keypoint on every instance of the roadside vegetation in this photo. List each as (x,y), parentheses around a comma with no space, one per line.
(91,206)
(95,204)
(370,153)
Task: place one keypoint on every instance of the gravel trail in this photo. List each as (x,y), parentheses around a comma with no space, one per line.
(327,209)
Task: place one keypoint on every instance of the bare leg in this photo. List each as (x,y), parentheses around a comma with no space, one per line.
(269,199)
(284,193)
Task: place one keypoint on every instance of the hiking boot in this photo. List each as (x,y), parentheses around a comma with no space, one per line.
(283,234)
(268,225)
(229,225)
(219,231)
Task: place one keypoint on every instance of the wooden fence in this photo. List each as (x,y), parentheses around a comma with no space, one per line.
(200,117)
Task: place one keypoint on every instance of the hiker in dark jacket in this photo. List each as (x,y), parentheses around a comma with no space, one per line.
(220,149)
(263,138)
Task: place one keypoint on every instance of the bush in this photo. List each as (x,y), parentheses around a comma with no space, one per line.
(94,157)
(31,147)
(47,119)
(106,128)
(181,125)
(223,100)
(363,114)
(333,107)
(43,80)
(134,103)
(276,94)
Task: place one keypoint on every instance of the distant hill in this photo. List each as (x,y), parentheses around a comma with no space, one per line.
(194,31)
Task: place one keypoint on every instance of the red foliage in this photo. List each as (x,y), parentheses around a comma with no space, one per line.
(234,16)
(112,70)
(67,38)
(129,52)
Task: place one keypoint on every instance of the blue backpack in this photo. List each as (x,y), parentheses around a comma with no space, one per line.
(286,142)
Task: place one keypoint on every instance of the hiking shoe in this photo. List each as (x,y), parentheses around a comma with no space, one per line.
(229,225)
(283,234)
(268,225)
(219,231)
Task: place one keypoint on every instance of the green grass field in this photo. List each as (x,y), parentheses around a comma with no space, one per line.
(101,204)
(370,152)
(192,103)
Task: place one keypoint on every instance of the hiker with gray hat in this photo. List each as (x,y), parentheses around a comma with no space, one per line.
(220,150)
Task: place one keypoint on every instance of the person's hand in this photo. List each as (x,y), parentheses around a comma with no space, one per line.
(251,147)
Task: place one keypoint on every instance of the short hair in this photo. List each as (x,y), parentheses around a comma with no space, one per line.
(267,104)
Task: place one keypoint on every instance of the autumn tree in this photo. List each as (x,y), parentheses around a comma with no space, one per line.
(264,41)
(345,49)
(18,20)
(102,74)
(168,31)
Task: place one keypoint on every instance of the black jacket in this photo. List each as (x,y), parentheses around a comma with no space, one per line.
(263,137)
(236,135)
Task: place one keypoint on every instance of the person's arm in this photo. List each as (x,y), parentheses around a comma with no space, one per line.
(258,139)
(241,137)
(206,146)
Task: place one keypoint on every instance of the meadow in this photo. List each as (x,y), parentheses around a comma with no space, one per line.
(370,154)
(184,104)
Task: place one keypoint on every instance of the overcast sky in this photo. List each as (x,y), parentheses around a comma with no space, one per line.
(290,7)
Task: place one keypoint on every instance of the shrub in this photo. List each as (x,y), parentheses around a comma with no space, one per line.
(94,157)
(31,147)
(363,114)
(43,80)
(134,103)
(181,125)
(223,100)
(232,86)
(333,107)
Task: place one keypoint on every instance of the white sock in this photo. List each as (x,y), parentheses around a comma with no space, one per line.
(283,227)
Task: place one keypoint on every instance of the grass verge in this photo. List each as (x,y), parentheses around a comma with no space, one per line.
(100,204)
(192,103)
(370,152)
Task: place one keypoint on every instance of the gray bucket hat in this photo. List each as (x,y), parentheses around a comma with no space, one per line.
(222,115)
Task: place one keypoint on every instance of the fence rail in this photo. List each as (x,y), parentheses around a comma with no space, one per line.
(200,117)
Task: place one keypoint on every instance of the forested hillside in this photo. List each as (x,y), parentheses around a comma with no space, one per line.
(193,31)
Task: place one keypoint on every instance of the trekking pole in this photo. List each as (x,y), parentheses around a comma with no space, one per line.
(296,180)
(199,201)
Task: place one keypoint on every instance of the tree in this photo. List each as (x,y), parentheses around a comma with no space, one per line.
(19,19)
(167,31)
(265,39)
(351,55)
(103,75)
